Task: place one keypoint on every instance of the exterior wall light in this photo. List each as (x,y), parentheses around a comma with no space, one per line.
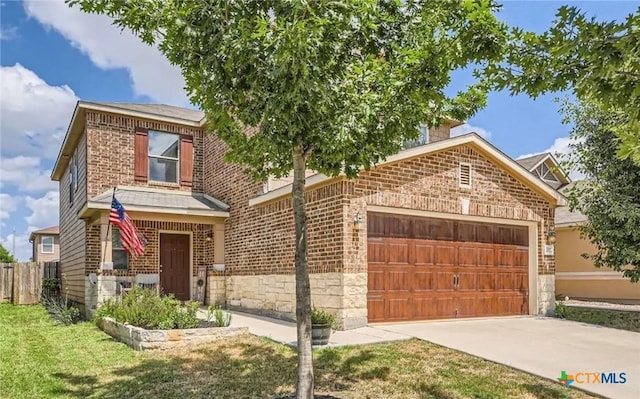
(209,236)
(357,220)
(551,236)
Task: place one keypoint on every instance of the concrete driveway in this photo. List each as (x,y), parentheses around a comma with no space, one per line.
(541,346)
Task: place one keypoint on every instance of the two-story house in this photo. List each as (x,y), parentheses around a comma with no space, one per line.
(450,228)
(46,244)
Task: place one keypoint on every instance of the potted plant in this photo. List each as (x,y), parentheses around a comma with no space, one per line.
(321,324)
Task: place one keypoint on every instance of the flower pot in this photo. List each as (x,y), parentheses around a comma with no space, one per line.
(320,334)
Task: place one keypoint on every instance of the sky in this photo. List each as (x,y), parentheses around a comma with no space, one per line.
(51,56)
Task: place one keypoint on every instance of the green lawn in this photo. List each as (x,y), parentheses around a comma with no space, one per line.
(621,319)
(39,359)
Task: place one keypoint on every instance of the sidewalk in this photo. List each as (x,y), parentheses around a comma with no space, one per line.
(285,331)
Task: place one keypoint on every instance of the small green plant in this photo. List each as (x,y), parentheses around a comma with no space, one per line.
(220,317)
(143,307)
(561,310)
(59,307)
(323,317)
(50,287)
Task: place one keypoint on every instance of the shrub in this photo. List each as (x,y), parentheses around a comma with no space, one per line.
(322,317)
(145,308)
(220,317)
(561,310)
(61,309)
(50,287)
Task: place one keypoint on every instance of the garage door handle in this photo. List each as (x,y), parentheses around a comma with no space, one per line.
(456,280)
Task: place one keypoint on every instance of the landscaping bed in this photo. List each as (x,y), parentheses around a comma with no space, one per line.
(141,339)
(43,359)
(613,318)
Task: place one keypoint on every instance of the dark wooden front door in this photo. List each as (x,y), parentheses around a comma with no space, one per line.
(175,260)
(426,268)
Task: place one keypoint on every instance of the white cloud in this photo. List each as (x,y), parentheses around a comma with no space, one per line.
(44,210)
(25,173)
(35,115)
(7,206)
(467,128)
(109,47)
(559,148)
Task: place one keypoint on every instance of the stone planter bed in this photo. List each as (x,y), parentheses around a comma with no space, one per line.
(141,339)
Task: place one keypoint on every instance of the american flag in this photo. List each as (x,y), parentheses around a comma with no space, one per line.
(132,240)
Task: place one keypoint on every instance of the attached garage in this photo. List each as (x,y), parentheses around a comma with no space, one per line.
(423,268)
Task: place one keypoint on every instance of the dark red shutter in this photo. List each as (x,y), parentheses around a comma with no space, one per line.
(186,160)
(141,157)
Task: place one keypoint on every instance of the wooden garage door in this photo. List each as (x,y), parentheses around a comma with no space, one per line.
(427,268)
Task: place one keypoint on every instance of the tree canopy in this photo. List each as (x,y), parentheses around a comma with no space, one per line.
(6,256)
(332,86)
(598,60)
(609,197)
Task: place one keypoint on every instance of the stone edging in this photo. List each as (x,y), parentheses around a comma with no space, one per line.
(141,339)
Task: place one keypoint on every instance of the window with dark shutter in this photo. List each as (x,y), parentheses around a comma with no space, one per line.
(186,160)
(141,157)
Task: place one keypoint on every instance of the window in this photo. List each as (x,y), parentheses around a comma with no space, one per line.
(47,244)
(465,175)
(119,256)
(422,139)
(164,156)
(74,171)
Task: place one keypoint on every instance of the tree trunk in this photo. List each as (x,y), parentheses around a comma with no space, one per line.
(303,289)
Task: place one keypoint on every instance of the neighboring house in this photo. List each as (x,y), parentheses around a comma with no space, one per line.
(46,244)
(451,228)
(546,168)
(577,277)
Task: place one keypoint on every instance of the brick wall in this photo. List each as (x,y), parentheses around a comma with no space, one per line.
(259,240)
(439,133)
(110,147)
(430,183)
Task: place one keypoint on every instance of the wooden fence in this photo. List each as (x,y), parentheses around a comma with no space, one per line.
(20,283)
(51,269)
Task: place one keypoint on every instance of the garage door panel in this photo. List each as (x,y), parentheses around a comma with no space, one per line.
(376,281)
(398,309)
(443,281)
(486,281)
(398,252)
(467,280)
(445,254)
(376,252)
(375,309)
(467,255)
(422,280)
(422,253)
(425,268)
(398,280)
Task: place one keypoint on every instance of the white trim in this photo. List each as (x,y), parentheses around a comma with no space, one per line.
(156,209)
(460,165)
(53,241)
(533,239)
(604,275)
(471,138)
(190,234)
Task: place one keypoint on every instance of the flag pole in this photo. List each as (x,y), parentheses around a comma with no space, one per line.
(106,237)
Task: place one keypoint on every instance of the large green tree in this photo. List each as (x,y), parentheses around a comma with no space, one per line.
(6,256)
(333,86)
(598,60)
(610,196)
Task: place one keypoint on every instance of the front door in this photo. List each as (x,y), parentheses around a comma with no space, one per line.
(175,265)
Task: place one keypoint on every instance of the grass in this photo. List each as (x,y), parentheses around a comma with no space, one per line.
(621,319)
(43,360)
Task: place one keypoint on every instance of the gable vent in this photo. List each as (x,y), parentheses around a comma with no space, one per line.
(465,175)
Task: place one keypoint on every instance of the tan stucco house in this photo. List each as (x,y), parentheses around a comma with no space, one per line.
(577,277)
(450,228)
(45,244)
